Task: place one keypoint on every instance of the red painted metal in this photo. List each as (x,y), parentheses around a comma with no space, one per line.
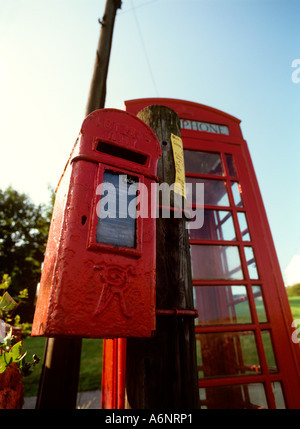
(89,288)
(113,374)
(246,381)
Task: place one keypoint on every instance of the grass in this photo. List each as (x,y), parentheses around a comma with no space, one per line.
(33,345)
(295,306)
(90,365)
(91,359)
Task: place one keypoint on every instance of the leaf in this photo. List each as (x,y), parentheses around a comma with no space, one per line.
(6,281)
(16,351)
(7,358)
(23,294)
(2,364)
(26,368)
(7,303)
(17,320)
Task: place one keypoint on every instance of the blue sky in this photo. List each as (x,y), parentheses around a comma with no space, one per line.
(234,55)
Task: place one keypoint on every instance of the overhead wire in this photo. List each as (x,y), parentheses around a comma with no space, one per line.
(144,48)
(137,7)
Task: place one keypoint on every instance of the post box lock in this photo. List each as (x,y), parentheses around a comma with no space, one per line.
(98,277)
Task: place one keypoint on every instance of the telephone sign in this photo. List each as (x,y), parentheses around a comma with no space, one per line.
(98,276)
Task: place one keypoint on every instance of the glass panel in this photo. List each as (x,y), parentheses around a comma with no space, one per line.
(227,354)
(237,194)
(203,162)
(278,395)
(115,226)
(243,226)
(216,262)
(251,263)
(218,225)
(237,396)
(215,192)
(269,352)
(230,165)
(221,305)
(259,304)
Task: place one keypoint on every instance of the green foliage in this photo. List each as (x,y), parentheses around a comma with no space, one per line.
(11,350)
(293,290)
(6,281)
(23,236)
(8,305)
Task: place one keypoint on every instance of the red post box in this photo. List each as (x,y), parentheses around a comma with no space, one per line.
(98,276)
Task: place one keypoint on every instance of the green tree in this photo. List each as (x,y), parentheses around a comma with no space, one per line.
(23,236)
(293,290)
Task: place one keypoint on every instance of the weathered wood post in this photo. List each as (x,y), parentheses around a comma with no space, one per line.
(161,372)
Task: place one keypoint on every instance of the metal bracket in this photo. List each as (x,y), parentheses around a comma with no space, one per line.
(177,312)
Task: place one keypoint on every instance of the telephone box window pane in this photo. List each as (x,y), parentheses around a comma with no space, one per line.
(237,197)
(278,395)
(115,225)
(230,165)
(215,192)
(269,352)
(221,305)
(216,262)
(218,225)
(236,396)
(243,226)
(222,354)
(203,162)
(259,304)
(251,263)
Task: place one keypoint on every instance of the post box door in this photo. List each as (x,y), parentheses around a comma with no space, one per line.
(98,276)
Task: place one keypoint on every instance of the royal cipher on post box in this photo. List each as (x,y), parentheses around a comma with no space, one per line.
(98,277)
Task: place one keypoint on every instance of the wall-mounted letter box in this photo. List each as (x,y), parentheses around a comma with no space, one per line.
(98,276)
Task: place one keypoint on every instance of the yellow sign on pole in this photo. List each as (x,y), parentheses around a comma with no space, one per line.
(179,164)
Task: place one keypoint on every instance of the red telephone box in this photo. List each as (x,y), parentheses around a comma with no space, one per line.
(98,276)
(245,353)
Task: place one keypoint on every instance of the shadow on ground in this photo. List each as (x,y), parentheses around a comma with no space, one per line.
(85,400)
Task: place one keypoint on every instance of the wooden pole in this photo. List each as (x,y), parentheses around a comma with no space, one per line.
(161,372)
(97,94)
(60,373)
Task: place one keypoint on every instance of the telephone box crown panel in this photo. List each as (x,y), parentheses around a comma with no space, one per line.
(196,119)
(98,276)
